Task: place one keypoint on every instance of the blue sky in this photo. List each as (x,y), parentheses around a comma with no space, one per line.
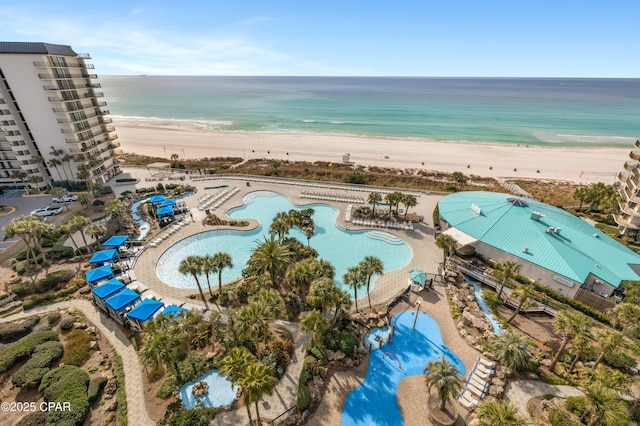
(491,38)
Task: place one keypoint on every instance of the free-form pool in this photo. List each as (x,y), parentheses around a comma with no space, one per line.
(220,393)
(374,401)
(343,248)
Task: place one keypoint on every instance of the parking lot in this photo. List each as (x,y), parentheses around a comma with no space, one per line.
(25,205)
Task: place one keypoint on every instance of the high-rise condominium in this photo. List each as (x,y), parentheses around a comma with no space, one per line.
(53,125)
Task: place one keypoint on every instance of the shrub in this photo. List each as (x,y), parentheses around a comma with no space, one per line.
(60,252)
(344,341)
(67,324)
(314,366)
(23,348)
(53,318)
(106,190)
(168,386)
(121,393)
(576,404)
(36,418)
(22,289)
(560,418)
(95,387)
(67,383)
(10,332)
(620,360)
(38,365)
(98,203)
(194,417)
(191,367)
(77,351)
(53,279)
(318,352)
(304,397)
(23,254)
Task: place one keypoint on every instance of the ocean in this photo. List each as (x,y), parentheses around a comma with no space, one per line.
(536,111)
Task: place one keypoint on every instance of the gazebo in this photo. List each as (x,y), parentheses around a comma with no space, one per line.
(105,291)
(142,312)
(156,199)
(98,274)
(120,302)
(116,241)
(164,211)
(169,202)
(173,310)
(103,256)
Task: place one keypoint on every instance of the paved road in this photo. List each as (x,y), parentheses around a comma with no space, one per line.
(136,411)
(519,392)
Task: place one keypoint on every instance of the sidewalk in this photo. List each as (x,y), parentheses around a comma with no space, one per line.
(519,392)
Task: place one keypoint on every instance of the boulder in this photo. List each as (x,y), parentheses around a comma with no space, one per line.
(496,390)
(477,322)
(92,331)
(339,356)
(94,345)
(80,325)
(200,388)
(110,389)
(499,382)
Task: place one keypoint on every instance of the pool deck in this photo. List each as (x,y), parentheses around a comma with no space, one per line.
(425,255)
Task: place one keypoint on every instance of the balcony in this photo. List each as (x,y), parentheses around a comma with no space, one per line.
(84,56)
(627,209)
(94,95)
(637,144)
(67,77)
(634,155)
(630,165)
(40,64)
(55,99)
(620,220)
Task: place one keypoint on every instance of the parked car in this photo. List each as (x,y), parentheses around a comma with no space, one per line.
(69,198)
(47,211)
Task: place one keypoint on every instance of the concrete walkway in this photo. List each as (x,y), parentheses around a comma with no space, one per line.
(136,410)
(285,394)
(519,392)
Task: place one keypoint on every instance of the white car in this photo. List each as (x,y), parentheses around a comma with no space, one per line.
(69,198)
(47,211)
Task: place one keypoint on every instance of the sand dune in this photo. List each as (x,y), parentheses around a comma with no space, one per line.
(495,160)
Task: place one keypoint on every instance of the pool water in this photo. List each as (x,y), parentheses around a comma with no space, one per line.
(483,305)
(343,248)
(144,225)
(221,392)
(374,401)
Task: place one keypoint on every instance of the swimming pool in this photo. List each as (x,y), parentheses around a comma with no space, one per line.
(483,305)
(343,248)
(374,401)
(221,391)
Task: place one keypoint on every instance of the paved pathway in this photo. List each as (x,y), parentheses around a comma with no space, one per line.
(519,392)
(286,391)
(136,411)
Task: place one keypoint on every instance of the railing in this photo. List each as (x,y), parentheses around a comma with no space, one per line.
(634,155)
(272,422)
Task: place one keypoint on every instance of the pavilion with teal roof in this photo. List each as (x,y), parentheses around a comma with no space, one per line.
(553,247)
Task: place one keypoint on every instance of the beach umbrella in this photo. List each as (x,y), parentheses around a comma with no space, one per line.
(418,276)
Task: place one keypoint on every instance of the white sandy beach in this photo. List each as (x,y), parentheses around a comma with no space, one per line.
(496,160)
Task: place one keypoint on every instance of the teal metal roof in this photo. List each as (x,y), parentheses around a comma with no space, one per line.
(552,239)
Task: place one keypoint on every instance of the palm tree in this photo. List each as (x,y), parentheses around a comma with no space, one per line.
(374,198)
(499,413)
(67,159)
(84,200)
(78,224)
(280,225)
(354,278)
(254,320)
(369,266)
(271,256)
(582,195)
(116,208)
(509,269)
(186,324)
(257,380)
(610,341)
(522,295)
(322,294)
(96,231)
(568,325)
(235,364)
(54,162)
(626,315)
(161,347)
(580,345)
(270,303)
(603,404)
(512,350)
(409,201)
(314,323)
(208,267)
(66,229)
(30,228)
(221,261)
(193,265)
(392,198)
(443,376)
(447,243)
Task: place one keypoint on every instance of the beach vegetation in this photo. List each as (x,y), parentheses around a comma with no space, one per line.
(512,350)
(69,384)
(495,412)
(12,331)
(43,356)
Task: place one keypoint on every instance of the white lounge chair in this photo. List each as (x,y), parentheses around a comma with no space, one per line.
(486,362)
(467,400)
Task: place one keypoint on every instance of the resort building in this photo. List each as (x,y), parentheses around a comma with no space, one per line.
(553,247)
(628,184)
(52,121)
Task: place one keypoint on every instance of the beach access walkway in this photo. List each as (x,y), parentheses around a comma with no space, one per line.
(519,392)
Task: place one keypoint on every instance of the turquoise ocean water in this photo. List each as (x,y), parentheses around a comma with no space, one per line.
(573,112)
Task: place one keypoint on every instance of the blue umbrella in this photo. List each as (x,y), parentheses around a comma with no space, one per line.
(418,276)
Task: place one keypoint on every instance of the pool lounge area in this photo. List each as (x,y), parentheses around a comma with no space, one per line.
(374,401)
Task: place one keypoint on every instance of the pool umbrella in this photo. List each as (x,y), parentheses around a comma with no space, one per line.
(418,276)
(115,241)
